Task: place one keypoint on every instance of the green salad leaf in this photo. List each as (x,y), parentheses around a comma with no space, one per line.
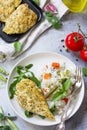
(22,72)
(53,19)
(17,46)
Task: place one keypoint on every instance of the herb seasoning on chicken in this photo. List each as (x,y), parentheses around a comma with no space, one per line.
(20,20)
(31,98)
(7,7)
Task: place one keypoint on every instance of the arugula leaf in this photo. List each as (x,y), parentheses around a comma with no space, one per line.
(84,70)
(17,46)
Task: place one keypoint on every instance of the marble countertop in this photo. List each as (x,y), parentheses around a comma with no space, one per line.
(52,40)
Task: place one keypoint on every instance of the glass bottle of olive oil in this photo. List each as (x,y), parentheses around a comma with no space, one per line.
(75,5)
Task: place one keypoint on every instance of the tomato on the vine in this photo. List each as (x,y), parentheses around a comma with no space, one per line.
(75,41)
(83,54)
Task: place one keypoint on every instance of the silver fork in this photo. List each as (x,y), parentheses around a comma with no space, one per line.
(76,90)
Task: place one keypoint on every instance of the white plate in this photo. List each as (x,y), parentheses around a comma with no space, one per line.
(39,60)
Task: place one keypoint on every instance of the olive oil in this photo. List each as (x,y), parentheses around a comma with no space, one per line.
(75,5)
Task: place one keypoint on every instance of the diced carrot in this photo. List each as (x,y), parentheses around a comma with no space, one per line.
(47,76)
(55,65)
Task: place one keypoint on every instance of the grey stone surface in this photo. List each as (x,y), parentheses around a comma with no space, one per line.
(51,41)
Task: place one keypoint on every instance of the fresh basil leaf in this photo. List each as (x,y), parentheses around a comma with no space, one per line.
(37,2)
(28,114)
(55,22)
(17,46)
(53,19)
(48,13)
(49,19)
(49,16)
(84,70)
(66,85)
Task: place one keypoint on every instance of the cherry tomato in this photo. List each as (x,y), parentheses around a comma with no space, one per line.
(83,54)
(75,41)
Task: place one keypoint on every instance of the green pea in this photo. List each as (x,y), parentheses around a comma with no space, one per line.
(3,78)
(3,71)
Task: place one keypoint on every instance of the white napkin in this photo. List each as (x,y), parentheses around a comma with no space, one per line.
(7,51)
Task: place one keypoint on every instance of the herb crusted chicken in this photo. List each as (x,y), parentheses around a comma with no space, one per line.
(7,7)
(31,98)
(20,20)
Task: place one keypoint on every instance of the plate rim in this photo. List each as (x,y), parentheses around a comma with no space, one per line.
(24,58)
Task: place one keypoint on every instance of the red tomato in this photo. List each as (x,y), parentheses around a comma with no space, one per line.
(75,41)
(83,54)
(65,100)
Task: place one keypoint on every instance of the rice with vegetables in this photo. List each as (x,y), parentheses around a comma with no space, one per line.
(57,84)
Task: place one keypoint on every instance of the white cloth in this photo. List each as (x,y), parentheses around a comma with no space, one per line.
(8,50)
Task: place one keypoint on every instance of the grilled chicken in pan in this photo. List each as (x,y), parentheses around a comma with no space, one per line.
(7,7)
(20,20)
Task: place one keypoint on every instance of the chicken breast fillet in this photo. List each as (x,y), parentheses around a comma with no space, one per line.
(7,7)
(20,20)
(30,98)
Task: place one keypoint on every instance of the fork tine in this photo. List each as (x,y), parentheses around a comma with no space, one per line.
(76,75)
(80,74)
